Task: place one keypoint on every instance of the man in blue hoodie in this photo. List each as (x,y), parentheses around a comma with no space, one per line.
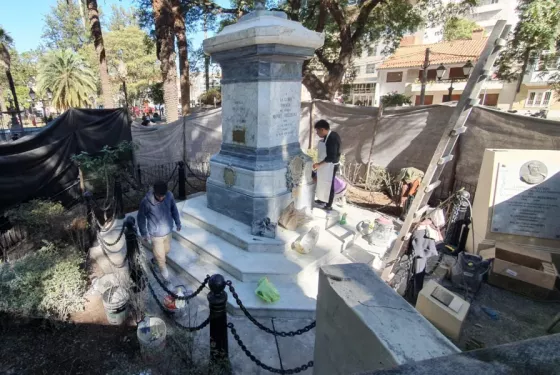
(156,215)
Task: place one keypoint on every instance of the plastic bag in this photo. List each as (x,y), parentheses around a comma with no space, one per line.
(308,241)
(267,291)
(291,218)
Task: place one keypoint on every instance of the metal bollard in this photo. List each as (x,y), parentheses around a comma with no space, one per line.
(119,209)
(217,300)
(92,225)
(182,180)
(132,250)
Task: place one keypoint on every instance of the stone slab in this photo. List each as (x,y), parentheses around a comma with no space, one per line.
(504,203)
(298,350)
(363,324)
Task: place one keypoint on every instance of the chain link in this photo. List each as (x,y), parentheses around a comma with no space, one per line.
(116,241)
(296,370)
(171,313)
(104,249)
(262,327)
(180,298)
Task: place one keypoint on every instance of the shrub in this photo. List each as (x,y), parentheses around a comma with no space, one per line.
(208,97)
(394,99)
(49,283)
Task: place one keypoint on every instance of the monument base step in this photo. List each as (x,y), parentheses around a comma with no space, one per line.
(293,303)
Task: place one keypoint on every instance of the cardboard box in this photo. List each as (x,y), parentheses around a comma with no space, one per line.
(444,309)
(521,270)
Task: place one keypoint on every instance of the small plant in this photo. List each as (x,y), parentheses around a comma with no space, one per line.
(49,283)
(395,99)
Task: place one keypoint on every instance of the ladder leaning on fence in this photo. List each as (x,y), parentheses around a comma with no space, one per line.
(443,153)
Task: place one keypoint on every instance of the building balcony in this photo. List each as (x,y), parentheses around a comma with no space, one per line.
(539,77)
(485,8)
(444,84)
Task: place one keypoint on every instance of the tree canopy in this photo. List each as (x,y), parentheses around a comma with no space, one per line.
(67,75)
(537,31)
(64,27)
(457,28)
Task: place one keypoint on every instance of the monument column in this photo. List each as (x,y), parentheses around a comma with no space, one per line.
(260,168)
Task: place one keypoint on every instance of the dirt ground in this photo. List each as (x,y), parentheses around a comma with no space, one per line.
(84,345)
(372,200)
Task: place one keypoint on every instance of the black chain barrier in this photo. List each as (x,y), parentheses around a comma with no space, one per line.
(105,253)
(296,370)
(194,174)
(180,298)
(171,314)
(112,243)
(262,327)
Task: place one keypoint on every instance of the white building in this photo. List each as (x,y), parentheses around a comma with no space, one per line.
(364,85)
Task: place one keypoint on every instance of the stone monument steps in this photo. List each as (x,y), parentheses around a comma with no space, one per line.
(249,266)
(294,302)
(196,211)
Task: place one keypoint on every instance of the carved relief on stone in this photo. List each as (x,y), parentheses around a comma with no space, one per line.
(533,172)
(294,174)
(229,176)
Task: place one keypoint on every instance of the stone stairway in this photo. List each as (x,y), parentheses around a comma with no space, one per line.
(211,243)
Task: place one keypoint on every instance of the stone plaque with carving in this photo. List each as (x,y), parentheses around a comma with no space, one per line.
(526,203)
(229,176)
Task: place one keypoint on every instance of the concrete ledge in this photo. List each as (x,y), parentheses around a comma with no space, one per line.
(534,356)
(363,325)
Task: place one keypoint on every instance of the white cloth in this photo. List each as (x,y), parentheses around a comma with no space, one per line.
(324,175)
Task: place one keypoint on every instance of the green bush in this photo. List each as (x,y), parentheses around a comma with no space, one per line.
(208,97)
(49,283)
(395,99)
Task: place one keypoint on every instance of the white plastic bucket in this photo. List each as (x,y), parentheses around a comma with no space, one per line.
(151,333)
(115,301)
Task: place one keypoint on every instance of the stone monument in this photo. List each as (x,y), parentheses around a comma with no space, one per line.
(517,200)
(260,168)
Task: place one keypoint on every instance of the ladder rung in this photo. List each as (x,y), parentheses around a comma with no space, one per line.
(458,131)
(432,186)
(445,159)
(421,211)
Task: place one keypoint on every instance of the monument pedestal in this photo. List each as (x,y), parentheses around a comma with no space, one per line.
(260,168)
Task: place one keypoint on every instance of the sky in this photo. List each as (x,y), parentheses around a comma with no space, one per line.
(23,20)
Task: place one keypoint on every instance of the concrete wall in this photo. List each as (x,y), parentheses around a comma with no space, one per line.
(363,325)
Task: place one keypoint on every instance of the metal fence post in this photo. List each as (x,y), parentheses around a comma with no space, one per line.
(182,178)
(217,300)
(119,209)
(92,224)
(132,250)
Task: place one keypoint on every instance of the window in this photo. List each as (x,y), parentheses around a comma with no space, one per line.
(370,68)
(428,99)
(394,76)
(362,88)
(432,75)
(537,98)
(491,100)
(456,73)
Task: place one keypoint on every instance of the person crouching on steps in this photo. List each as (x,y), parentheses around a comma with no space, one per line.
(156,215)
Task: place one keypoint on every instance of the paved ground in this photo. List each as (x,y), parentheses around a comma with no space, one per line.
(277,352)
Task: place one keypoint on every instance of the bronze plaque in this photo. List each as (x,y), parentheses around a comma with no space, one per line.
(239,135)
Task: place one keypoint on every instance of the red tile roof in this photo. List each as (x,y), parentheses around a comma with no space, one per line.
(455,52)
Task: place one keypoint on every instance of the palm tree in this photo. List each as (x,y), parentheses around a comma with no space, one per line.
(164,20)
(6,42)
(180,34)
(69,78)
(97,36)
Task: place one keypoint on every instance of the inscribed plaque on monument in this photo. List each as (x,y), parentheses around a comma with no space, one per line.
(527,200)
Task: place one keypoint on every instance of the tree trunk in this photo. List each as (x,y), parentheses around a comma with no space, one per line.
(180,34)
(526,56)
(313,84)
(97,36)
(164,20)
(14,95)
(3,107)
